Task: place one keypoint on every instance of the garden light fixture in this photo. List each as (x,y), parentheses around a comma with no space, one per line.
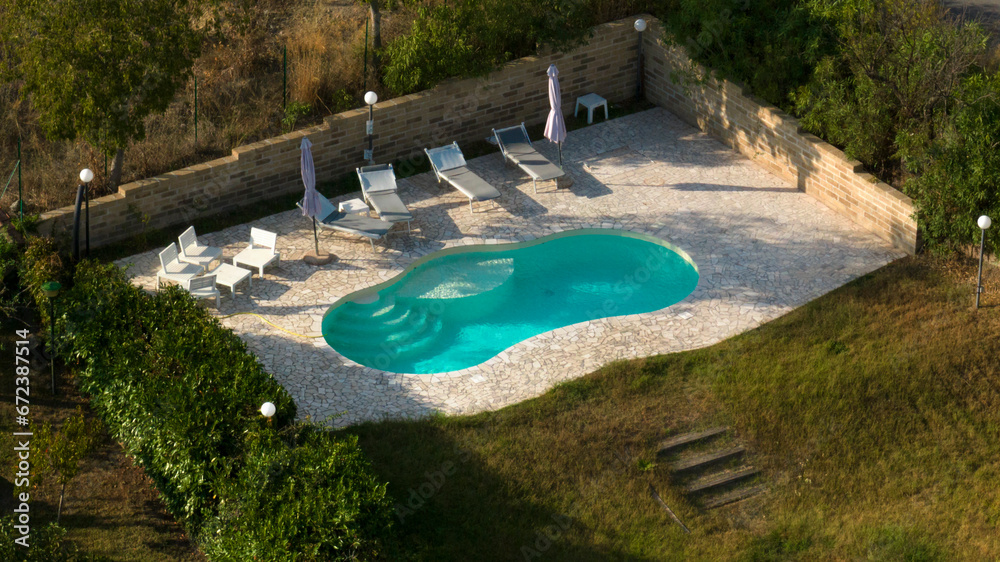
(82,194)
(370,99)
(984,222)
(640,26)
(51,291)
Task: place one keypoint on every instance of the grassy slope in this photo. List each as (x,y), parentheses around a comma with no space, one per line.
(874,410)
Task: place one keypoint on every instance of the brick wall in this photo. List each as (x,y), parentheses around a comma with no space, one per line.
(774,140)
(457,110)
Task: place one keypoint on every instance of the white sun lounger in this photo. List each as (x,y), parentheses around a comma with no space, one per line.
(193,252)
(378,184)
(516,147)
(349,223)
(261,252)
(449,165)
(172,269)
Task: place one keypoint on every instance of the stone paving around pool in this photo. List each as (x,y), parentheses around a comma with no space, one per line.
(762,247)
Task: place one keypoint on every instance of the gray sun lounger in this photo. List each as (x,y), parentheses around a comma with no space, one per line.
(449,165)
(378,184)
(359,225)
(516,147)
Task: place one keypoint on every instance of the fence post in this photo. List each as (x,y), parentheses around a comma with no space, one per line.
(20,197)
(196,111)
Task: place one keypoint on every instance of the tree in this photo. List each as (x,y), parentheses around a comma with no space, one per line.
(897,73)
(95,69)
(60,452)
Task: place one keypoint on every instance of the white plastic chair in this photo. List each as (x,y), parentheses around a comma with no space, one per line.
(203,288)
(172,269)
(261,252)
(193,252)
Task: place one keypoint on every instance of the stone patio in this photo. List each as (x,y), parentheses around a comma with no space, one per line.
(762,247)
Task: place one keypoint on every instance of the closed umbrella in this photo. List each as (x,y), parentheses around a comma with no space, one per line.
(555,125)
(310,201)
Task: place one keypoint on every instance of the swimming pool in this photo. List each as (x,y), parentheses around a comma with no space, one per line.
(462,306)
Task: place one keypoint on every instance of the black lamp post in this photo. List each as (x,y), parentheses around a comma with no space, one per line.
(51,291)
(370,99)
(984,222)
(82,194)
(640,26)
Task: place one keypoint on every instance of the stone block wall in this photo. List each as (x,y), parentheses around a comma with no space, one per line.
(774,140)
(456,110)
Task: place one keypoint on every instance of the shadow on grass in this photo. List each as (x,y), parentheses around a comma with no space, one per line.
(453,503)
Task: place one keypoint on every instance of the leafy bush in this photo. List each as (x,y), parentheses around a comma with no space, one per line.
(770,46)
(182,394)
(305,497)
(897,70)
(9,289)
(472,37)
(40,264)
(958,173)
(45,544)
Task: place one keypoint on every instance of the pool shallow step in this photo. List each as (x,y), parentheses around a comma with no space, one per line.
(402,326)
(421,341)
(398,319)
(415,339)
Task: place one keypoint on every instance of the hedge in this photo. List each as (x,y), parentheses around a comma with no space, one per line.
(182,394)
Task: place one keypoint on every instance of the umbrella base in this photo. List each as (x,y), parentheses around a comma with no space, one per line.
(312,258)
(564,182)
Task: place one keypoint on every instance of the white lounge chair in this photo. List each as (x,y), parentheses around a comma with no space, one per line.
(449,165)
(331,218)
(172,269)
(203,288)
(516,147)
(193,252)
(261,252)
(378,184)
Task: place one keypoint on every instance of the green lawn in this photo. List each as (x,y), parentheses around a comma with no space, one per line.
(875,411)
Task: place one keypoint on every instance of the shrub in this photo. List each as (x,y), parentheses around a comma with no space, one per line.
(770,46)
(40,264)
(45,544)
(181,393)
(9,290)
(897,70)
(305,497)
(958,173)
(472,37)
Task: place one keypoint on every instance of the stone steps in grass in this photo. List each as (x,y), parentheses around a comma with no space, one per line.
(733,496)
(676,442)
(705,460)
(720,479)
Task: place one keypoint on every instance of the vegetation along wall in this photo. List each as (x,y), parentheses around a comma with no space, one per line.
(466,110)
(774,140)
(457,110)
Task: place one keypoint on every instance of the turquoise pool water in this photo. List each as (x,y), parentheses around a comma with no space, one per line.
(459,307)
